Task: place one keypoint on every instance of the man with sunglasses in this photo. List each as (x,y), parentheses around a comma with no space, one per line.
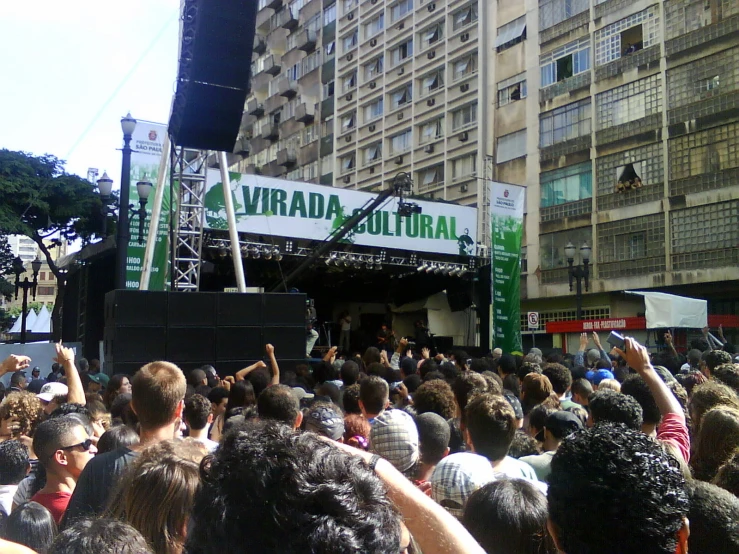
(63,447)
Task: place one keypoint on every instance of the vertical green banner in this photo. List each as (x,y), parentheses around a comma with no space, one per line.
(147,151)
(506,219)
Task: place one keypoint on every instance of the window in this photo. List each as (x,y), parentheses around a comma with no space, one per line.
(684,16)
(564,62)
(432,82)
(294,175)
(431,131)
(568,184)
(465,166)
(329,50)
(628,35)
(635,244)
(709,85)
(373,153)
(310,171)
(464,116)
(288,110)
(350,41)
(401,96)
(314,23)
(565,123)
(629,102)
(348,5)
(328,89)
(329,14)
(348,163)
(511,146)
(464,66)
(511,34)
(46,291)
(430,178)
(310,62)
(374,68)
(348,82)
(373,110)
(552,246)
(512,89)
(432,35)
(464,17)
(42,276)
(402,52)
(310,133)
(375,26)
(348,121)
(552,12)
(401,9)
(400,142)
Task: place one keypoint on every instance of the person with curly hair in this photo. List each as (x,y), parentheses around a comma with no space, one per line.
(717,440)
(708,396)
(19,415)
(728,374)
(728,474)
(607,405)
(435,396)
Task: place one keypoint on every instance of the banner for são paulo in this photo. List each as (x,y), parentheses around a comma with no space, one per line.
(268,206)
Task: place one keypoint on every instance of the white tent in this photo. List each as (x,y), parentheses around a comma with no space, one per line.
(16,328)
(668,310)
(43,321)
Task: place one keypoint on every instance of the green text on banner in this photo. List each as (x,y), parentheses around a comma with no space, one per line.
(506,217)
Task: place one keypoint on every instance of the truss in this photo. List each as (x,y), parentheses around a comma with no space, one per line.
(189,169)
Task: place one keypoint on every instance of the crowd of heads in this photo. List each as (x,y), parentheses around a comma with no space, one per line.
(532,454)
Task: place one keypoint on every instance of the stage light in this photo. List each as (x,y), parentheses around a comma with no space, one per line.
(430,268)
(254,252)
(438,269)
(421,267)
(267,252)
(276,254)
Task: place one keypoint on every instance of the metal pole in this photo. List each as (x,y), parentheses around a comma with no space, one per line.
(578,278)
(24,313)
(156,211)
(123,234)
(233,233)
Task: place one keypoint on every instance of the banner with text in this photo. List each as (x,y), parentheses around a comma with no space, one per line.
(506,218)
(279,207)
(147,151)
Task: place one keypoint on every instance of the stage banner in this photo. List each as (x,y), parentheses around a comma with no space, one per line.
(506,217)
(278,207)
(147,151)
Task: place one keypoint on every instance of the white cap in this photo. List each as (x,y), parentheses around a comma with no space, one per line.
(51,390)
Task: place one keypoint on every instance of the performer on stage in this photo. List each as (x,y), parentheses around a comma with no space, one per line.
(386,338)
(345,335)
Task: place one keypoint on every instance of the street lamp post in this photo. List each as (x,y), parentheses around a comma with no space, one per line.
(123,234)
(26,285)
(578,272)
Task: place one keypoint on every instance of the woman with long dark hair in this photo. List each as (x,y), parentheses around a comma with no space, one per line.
(31,525)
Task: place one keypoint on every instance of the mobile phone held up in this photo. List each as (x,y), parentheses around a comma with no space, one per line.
(616,339)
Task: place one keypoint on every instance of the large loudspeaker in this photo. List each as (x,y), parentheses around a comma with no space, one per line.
(191,344)
(240,343)
(289,342)
(186,309)
(284,309)
(213,75)
(135,344)
(133,307)
(239,309)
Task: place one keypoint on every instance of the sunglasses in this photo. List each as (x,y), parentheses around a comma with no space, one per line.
(85,445)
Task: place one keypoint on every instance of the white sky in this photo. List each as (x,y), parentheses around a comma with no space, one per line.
(62,61)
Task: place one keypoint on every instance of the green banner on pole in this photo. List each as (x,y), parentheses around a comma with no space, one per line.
(147,151)
(506,218)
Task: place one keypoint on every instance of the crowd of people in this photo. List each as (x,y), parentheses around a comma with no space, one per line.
(384,452)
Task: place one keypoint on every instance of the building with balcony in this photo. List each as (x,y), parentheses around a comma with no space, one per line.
(629,145)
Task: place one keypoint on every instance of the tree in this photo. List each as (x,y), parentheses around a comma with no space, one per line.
(39,199)
(7,289)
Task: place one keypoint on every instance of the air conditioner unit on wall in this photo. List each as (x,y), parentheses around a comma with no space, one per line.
(464,136)
(347,179)
(429,149)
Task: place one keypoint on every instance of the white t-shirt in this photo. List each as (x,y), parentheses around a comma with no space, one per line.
(346,323)
(210,445)
(512,468)
(6,497)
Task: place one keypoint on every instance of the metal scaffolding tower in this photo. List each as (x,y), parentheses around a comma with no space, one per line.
(187,183)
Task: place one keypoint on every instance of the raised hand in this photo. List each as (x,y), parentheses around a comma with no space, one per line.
(270,350)
(596,340)
(636,355)
(425,353)
(583,341)
(14,363)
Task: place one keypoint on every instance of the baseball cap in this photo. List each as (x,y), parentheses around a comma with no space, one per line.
(100,378)
(561,424)
(394,436)
(456,477)
(51,390)
(596,376)
(322,420)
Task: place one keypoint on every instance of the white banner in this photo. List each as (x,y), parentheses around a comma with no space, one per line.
(266,206)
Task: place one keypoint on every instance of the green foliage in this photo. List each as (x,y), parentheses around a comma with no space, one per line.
(15,311)
(7,289)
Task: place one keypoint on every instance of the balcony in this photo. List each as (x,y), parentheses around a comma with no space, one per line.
(629,130)
(307,40)
(260,45)
(271,4)
(327,107)
(242,146)
(287,87)
(564,148)
(703,36)
(565,86)
(270,131)
(641,59)
(254,107)
(287,157)
(305,113)
(287,20)
(270,66)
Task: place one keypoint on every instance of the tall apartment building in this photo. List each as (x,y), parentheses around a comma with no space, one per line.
(23,246)
(350,94)
(629,142)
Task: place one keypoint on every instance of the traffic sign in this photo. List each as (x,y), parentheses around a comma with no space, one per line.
(533,320)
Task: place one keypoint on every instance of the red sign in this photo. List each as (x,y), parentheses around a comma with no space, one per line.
(621,323)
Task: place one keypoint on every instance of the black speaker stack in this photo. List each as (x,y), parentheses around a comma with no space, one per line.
(191,329)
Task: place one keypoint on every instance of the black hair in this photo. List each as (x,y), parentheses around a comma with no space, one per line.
(433,437)
(31,525)
(450,371)
(324,371)
(429,366)
(203,390)
(196,412)
(242,393)
(432,375)
(196,377)
(71,408)
(538,415)
(714,519)
(714,358)
(14,462)
(464,384)
(478,365)
(371,355)
(507,364)
(259,380)
(350,399)
(582,387)
(613,490)
(435,396)
(278,403)
(51,434)
(728,474)
(559,376)
(100,536)
(636,386)
(374,392)
(349,373)
(523,445)
(490,421)
(728,374)
(608,405)
(116,437)
(512,383)
(217,394)
(412,382)
(526,368)
(509,516)
(376,369)
(580,412)
(297,493)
